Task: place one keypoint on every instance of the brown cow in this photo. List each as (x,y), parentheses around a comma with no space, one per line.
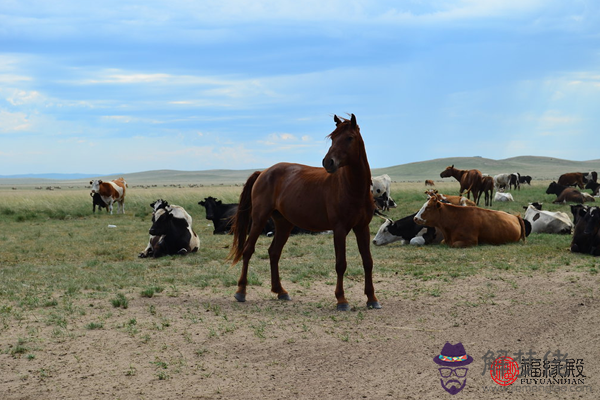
(470,180)
(571,179)
(566,194)
(429,182)
(456,200)
(111,192)
(470,226)
(487,188)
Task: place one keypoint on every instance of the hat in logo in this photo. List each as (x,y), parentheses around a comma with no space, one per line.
(453,355)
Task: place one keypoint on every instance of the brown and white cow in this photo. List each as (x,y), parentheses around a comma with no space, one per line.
(111,192)
(470,226)
(445,198)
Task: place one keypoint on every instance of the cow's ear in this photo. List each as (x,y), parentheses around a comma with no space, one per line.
(91,182)
(202,203)
(219,202)
(336,120)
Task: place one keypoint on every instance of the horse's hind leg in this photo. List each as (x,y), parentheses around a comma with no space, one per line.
(363,241)
(282,232)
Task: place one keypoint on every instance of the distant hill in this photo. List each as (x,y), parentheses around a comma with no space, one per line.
(544,168)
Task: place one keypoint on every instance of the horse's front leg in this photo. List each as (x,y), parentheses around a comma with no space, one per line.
(363,240)
(339,242)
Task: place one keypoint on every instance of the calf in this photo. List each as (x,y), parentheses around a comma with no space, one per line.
(470,226)
(586,237)
(97,201)
(110,192)
(406,231)
(566,194)
(220,214)
(547,221)
(172,235)
(381,189)
(525,179)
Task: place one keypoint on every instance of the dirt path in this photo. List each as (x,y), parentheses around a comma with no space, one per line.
(201,344)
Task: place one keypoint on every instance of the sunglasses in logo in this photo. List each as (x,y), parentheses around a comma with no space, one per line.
(459,372)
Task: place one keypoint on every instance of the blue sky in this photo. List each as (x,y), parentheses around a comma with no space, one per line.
(128,86)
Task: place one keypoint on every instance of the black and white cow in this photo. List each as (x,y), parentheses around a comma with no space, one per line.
(406,231)
(515,180)
(525,179)
(171,235)
(586,237)
(159,207)
(381,190)
(220,214)
(547,221)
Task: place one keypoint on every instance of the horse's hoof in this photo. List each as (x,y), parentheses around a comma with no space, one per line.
(343,307)
(373,305)
(240,297)
(284,296)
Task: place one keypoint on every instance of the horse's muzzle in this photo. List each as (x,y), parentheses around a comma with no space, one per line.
(330,165)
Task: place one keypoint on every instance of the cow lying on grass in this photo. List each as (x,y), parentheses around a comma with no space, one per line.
(406,231)
(470,226)
(171,232)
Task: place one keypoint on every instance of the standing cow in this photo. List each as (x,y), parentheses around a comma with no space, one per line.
(110,192)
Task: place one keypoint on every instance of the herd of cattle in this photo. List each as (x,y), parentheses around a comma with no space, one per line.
(457,221)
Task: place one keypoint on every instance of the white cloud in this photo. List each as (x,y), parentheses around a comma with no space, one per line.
(11,122)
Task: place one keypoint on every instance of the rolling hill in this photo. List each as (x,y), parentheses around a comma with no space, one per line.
(544,168)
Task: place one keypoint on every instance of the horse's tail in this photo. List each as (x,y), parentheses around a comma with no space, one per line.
(242,220)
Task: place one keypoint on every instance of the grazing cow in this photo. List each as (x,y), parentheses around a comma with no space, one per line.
(456,200)
(406,231)
(515,181)
(547,221)
(171,235)
(591,176)
(470,226)
(97,201)
(525,179)
(487,188)
(381,188)
(111,192)
(593,186)
(220,214)
(502,181)
(586,237)
(469,179)
(429,182)
(501,196)
(567,194)
(572,179)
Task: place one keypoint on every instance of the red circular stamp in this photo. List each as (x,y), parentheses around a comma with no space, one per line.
(504,371)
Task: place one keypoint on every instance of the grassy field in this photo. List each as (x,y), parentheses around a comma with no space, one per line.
(59,263)
(52,244)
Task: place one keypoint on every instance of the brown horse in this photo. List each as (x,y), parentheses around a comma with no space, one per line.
(336,197)
(470,180)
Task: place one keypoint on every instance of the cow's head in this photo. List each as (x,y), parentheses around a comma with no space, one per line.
(592,221)
(383,235)
(161,221)
(96,185)
(428,211)
(211,205)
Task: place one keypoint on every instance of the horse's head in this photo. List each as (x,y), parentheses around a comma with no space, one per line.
(347,145)
(449,171)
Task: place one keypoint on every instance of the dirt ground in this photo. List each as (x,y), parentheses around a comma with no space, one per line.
(201,344)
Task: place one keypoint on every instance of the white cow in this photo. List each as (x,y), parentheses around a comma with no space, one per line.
(501,181)
(381,189)
(501,196)
(548,221)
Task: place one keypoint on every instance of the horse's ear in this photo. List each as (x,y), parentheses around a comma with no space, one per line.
(337,120)
(353,121)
